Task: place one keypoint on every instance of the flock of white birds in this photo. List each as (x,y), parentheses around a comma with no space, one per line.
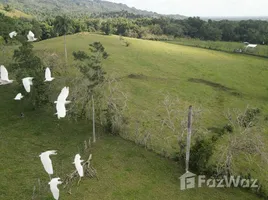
(54,182)
(61,113)
(28,82)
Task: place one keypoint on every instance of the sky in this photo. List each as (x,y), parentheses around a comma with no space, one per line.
(202,8)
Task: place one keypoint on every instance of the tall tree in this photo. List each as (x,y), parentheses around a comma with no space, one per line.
(63,25)
(27,64)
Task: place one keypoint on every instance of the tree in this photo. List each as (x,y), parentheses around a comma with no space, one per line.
(27,64)
(210,32)
(90,66)
(63,25)
(107,28)
(156,29)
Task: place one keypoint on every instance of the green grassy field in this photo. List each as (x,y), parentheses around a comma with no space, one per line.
(260,50)
(147,70)
(125,170)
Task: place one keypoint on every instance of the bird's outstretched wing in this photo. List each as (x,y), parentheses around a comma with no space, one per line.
(47,163)
(55,191)
(4,73)
(61,110)
(27,84)
(47,74)
(52,152)
(31,34)
(63,95)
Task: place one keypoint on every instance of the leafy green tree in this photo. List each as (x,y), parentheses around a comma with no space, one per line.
(7,25)
(27,64)
(63,25)
(90,66)
(209,32)
(174,29)
(107,27)
(156,29)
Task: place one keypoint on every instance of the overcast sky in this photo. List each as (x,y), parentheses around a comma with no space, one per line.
(202,7)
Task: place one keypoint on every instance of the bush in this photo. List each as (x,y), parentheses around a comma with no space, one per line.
(201,151)
(250,117)
(8,8)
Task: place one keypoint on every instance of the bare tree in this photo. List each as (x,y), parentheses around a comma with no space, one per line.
(246,141)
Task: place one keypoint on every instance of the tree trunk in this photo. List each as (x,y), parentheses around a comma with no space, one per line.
(65,49)
(93,120)
(189,138)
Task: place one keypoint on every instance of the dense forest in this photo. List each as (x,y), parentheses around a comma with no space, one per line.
(75,8)
(137,26)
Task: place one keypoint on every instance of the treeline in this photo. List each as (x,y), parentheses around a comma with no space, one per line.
(130,25)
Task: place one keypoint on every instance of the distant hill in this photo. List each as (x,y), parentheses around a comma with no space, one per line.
(14,13)
(41,8)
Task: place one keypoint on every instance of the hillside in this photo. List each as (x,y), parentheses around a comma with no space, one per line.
(78,8)
(14,13)
(148,71)
(125,170)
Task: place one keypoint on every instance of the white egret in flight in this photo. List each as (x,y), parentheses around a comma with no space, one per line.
(48,75)
(61,102)
(46,161)
(13,34)
(18,96)
(31,37)
(4,76)
(77,162)
(61,110)
(54,187)
(27,82)
(63,96)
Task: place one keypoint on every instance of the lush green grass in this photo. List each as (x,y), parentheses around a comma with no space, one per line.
(261,50)
(162,68)
(168,68)
(125,170)
(222,81)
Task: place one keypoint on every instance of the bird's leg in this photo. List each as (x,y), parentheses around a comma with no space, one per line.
(49,176)
(79,181)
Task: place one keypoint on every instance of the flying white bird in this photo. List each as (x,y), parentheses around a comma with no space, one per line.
(48,75)
(63,96)
(54,187)
(18,97)
(77,162)
(61,110)
(4,76)
(13,34)
(27,82)
(31,37)
(61,102)
(46,161)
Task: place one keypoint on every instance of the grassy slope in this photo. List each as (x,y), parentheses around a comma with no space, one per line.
(14,13)
(166,68)
(261,50)
(125,170)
